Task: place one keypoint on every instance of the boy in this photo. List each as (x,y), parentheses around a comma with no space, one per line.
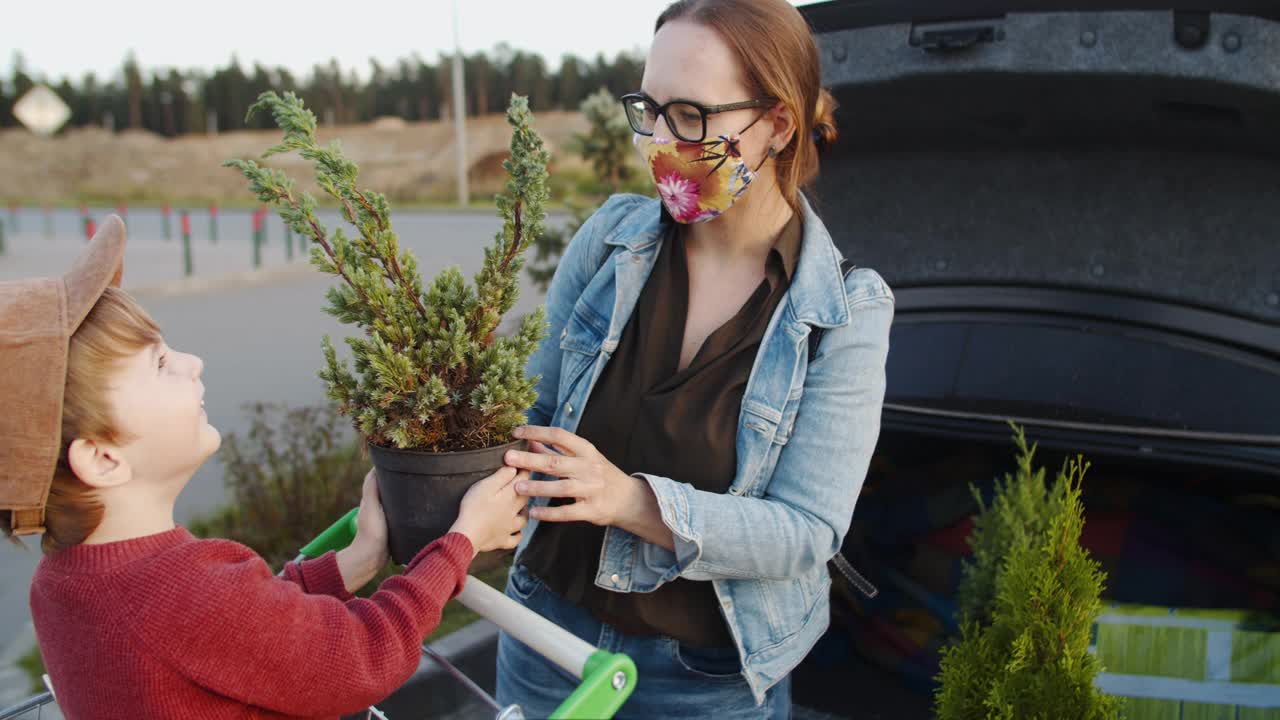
(102,428)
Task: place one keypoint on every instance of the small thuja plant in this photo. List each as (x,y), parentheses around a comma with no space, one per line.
(1020,511)
(430,372)
(1029,599)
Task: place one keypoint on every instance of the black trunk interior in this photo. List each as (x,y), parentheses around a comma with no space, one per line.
(1088,243)
(1166,533)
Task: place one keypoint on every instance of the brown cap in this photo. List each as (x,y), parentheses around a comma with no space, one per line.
(37,319)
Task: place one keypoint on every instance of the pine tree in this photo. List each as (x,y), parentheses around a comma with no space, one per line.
(133,80)
(430,371)
(607,146)
(607,143)
(1031,597)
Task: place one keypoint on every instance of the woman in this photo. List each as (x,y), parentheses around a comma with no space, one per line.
(698,470)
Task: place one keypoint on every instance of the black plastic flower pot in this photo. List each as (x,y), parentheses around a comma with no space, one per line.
(422,491)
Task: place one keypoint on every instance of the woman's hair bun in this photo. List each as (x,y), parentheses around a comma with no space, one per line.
(824,121)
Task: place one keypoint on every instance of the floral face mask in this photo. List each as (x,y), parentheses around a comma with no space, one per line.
(697,181)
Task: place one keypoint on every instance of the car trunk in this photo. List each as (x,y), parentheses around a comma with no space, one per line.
(1078,207)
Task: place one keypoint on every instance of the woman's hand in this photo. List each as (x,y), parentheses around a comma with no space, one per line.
(600,490)
(602,494)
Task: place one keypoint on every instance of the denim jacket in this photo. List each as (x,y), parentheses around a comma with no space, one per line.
(805,437)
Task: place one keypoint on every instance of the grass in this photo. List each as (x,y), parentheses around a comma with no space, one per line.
(456,616)
(33,665)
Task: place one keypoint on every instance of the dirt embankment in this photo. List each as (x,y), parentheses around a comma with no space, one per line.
(410,162)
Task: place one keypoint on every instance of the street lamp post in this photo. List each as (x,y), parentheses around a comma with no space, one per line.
(459,113)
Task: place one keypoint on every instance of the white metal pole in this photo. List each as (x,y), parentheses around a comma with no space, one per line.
(459,113)
(545,637)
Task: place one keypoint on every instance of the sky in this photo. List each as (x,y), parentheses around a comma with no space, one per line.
(203,34)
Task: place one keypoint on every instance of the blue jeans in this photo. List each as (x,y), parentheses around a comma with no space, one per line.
(675,681)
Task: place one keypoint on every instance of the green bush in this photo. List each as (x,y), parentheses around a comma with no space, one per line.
(606,146)
(1031,595)
(294,473)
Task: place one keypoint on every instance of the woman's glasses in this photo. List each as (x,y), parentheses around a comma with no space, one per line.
(686,119)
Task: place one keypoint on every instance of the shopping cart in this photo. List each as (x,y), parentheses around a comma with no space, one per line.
(606,679)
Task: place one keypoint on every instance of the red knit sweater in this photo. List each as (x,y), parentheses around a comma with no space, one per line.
(168,626)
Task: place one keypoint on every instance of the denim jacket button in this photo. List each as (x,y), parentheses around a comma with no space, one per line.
(564,333)
(568,408)
(615,579)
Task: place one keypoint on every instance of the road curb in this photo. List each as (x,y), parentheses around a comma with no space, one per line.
(226,281)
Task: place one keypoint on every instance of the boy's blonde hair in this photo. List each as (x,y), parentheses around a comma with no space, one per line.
(114,330)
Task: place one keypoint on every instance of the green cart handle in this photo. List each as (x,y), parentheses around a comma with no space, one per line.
(336,537)
(608,679)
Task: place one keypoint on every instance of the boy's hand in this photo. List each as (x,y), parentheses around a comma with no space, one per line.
(368,553)
(492,514)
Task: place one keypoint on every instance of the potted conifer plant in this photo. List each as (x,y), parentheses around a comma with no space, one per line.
(433,390)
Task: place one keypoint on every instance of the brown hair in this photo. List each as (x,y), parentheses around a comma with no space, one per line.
(114,330)
(779,58)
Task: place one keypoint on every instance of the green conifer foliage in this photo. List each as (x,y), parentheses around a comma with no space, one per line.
(429,371)
(1030,598)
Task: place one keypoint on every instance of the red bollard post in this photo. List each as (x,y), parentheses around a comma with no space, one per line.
(165,212)
(213,222)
